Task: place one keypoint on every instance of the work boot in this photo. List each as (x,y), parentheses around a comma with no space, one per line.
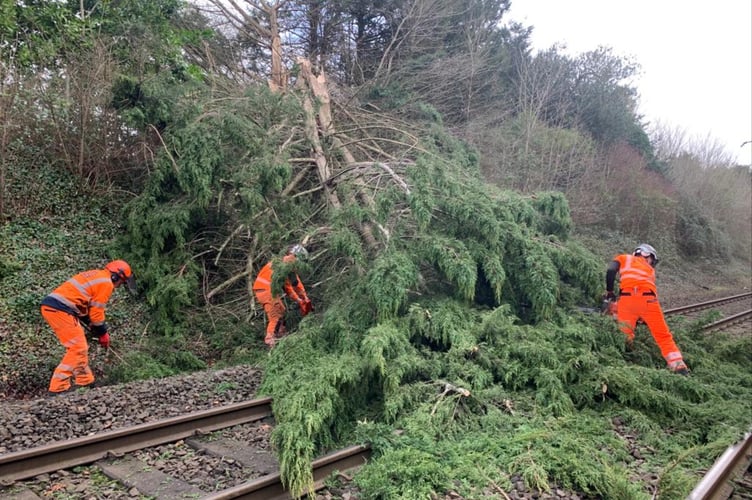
(679,368)
(54,394)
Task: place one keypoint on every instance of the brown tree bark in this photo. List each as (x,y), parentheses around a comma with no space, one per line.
(319,124)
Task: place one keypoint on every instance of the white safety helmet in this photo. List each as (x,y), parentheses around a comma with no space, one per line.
(646,250)
(298,251)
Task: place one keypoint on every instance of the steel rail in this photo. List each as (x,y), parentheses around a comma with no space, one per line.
(734,459)
(738,317)
(270,487)
(66,454)
(703,305)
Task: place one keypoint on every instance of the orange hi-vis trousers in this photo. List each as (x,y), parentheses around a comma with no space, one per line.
(646,307)
(275,313)
(75,363)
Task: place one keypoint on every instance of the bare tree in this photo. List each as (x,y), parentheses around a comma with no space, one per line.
(668,142)
(259,22)
(672,142)
(541,87)
(9,82)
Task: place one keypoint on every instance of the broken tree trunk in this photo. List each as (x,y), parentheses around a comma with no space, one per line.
(320,129)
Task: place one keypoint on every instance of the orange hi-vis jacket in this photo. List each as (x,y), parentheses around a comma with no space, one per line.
(293,287)
(636,275)
(85,294)
(275,306)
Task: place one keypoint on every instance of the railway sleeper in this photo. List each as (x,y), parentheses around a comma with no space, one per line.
(260,459)
(137,474)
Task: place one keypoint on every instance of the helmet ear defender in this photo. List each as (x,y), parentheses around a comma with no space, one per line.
(121,270)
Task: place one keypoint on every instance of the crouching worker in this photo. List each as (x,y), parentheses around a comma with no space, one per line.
(273,305)
(638,299)
(82,300)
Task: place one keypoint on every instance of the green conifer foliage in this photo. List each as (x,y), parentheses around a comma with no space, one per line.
(220,164)
(398,317)
(389,278)
(555,218)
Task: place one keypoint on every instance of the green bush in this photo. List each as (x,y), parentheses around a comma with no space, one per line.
(698,236)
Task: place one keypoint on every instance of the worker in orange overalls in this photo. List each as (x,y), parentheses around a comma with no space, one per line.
(273,305)
(638,299)
(81,301)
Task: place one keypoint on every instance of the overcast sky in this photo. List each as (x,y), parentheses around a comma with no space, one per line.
(695,57)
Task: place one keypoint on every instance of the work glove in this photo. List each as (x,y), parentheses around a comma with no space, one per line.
(104,340)
(306,306)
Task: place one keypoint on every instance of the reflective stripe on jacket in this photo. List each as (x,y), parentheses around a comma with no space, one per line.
(636,274)
(87,293)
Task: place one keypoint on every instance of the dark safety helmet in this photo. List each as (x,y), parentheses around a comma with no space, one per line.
(646,251)
(121,271)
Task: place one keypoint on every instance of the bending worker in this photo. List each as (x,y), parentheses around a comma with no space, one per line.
(638,299)
(274,306)
(81,300)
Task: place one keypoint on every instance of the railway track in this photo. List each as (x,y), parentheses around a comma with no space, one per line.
(710,303)
(112,451)
(741,312)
